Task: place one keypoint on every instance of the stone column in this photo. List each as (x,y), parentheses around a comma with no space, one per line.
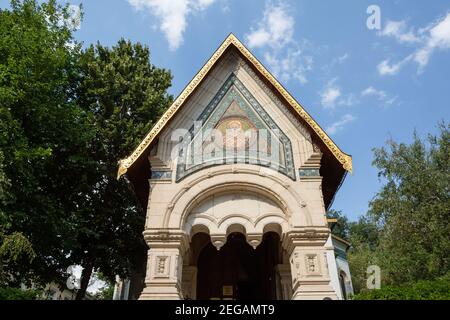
(309,268)
(189,285)
(164,264)
(284,291)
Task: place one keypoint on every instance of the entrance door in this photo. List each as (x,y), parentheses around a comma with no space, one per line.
(237,271)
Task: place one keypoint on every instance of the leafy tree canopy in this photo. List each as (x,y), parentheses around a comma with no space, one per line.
(406,231)
(66,116)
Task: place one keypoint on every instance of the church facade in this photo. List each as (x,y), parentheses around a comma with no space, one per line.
(236,177)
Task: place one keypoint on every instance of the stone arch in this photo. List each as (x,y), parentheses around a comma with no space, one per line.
(271,223)
(234,178)
(199,223)
(235,223)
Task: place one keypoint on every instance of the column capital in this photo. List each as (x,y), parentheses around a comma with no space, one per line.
(305,237)
(166,238)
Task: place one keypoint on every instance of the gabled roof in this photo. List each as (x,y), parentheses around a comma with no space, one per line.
(125,164)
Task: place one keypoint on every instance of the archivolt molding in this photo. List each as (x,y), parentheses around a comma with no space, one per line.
(343,158)
(228,179)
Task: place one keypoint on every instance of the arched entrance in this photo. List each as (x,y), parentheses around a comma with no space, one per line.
(237,271)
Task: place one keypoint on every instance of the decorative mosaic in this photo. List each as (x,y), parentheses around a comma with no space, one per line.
(161,175)
(313,172)
(234,110)
(276,100)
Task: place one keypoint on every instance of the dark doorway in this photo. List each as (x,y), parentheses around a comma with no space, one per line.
(237,271)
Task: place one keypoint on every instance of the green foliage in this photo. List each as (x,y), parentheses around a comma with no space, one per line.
(18,294)
(4,182)
(124,95)
(363,236)
(405,231)
(105,293)
(66,117)
(40,130)
(342,227)
(413,208)
(438,289)
(14,246)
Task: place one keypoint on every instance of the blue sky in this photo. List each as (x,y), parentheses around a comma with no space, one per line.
(364,86)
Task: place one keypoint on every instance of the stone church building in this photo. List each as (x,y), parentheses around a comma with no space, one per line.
(237,177)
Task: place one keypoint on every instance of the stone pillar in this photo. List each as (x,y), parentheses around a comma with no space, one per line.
(284,286)
(189,285)
(309,268)
(164,264)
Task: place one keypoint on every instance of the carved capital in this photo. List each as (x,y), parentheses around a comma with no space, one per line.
(161,238)
(305,237)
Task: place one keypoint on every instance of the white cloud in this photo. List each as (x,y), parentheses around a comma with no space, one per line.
(342,58)
(339,125)
(381,95)
(434,37)
(172,15)
(275,29)
(332,96)
(327,68)
(371,91)
(285,57)
(438,38)
(392,100)
(203,4)
(291,65)
(75,16)
(348,100)
(329,96)
(258,38)
(73,19)
(397,30)
(385,68)
(226,8)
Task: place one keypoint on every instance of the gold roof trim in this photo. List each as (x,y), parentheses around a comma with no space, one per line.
(343,158)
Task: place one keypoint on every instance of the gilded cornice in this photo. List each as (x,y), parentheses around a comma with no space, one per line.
(124,164)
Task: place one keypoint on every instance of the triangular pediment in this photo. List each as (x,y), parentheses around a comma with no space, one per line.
(143,148)
(235,128)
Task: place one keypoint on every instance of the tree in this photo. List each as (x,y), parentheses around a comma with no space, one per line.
(124,95)
(438,289)
(363,236)
(413,208)
(42,136)
(405,232)
(66,117)
(342,227)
